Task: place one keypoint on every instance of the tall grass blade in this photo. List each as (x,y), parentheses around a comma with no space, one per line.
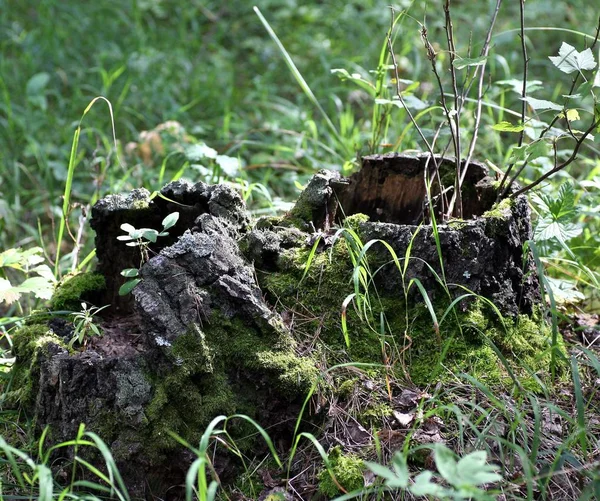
(298,76)
(70,173)
(580,406)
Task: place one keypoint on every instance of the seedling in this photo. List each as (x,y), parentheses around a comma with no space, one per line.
(84,324)
(142,238)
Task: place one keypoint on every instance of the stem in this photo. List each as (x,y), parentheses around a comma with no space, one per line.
(399,95)
(523,94)
(456,116)
(562,165)
(484,53)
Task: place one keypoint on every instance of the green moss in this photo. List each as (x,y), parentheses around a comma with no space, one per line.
(29,343)
(213,374)
(463,347)
(348,471)
(345,389)
(320,291)
(501,210)
(140,204)
(74,288)
(354,221)
(375,412)
(295,374)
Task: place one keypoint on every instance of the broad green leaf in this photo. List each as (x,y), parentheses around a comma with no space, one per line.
(229,165)
(585,88)
(542,104)
(197,152)
(39,286)
(570,60)
(517,85)
(149,234)
(37,83)
(564,291)
(170,220)
(130,272)
(473,470)
(518,153)
(445,462)
(128,286)
(505,126)
(383,472)
(537,149)
(127,228)
(43,270)
(461,63)
(547,229)
(424,486)
(8,293)
(400,469)
(410,101)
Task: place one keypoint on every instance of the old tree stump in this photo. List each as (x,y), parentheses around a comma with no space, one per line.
(229,319)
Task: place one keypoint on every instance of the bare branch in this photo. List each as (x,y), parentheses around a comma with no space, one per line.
(562,165)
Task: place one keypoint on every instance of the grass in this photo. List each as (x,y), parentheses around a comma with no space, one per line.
(263,91)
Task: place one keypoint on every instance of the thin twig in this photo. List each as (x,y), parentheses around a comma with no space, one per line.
(562,165)
(399,93)
(484,53)
(457,198)
(432,56)
(503,192)
(523,93)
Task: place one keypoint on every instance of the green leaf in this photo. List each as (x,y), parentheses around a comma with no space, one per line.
(445,462)
(8,293)
(537,149)
(130,272)
(127,228)
(461,63)
(36,84)
(518,153)
(381,471)
(400,469)
(43,270)
(170,220)
(197,152)
(410,101)
(229,165)
(149,234)
(39,286)
(541,104)
(547,229)
(564,291)
(397,479)
(424,486)
(505,126)
(517,85)
(128,286)
(569,60)
(473,470)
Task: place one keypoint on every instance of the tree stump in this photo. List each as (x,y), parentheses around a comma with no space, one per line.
(213,326)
